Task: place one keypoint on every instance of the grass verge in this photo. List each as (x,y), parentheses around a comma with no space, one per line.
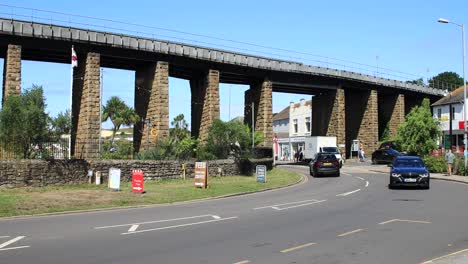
(35,200)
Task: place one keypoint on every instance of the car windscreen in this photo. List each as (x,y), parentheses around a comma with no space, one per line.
(326,157)
(330,149)
(409,163)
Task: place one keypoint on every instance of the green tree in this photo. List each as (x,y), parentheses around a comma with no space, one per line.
(419,81)
(179,131)
(119,113)
(24,122)
(420,131)
(61,124)
(446,80)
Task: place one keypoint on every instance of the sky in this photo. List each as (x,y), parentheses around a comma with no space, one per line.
(392,39)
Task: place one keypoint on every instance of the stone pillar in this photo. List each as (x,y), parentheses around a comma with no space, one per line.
(12,71)
(205,103)
(151,104)
(86,107)
(261,96)
(362,119)
(391,113)
(328,116)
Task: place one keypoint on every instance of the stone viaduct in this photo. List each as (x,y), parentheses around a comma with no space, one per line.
(347,105)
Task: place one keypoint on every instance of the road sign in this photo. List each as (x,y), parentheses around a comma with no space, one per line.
(261,173)
(114,179)
(137,181)
(201,175)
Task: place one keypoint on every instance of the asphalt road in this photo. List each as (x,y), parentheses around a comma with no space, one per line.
(351,219)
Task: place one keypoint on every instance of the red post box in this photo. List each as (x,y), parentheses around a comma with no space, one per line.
(137,181)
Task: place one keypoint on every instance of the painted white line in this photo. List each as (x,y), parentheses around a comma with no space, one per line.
(276,205)
(152,222)
(4,249)
(175,226)
(298,247)
(403,220)
(348,193)
(449,255)
(4,236)
(11,241)
(133,228)
(362,179)
(298,205)
(350,232)
(347,174)
(216,217)
(242,262)
(367,183)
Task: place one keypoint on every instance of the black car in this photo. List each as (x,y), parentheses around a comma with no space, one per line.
(324,164)
(409,171)
(384,156)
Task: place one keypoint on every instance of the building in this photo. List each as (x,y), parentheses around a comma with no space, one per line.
(449,111)
(291,126)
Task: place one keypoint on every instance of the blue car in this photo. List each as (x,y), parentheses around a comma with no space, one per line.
(409,171)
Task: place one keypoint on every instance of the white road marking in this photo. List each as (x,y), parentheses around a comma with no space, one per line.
(157,221)
(11,241)
(367,183)
(403,220)
(350,232)
(276,205)
(4,249)
(182,225)
(348,193)
(298,247)
(133,228)
(242,262)
(362,179)
(298,205)
(216,217)
(4,236)
(449,255)
(347,174)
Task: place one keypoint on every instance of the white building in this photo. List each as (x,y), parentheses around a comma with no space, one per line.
(291,126)
(451,107)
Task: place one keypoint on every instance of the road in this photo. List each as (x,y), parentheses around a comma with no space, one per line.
(351,219)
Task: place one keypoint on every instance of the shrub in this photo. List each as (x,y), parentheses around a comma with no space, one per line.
(435,164)
(120,149)
(459,165)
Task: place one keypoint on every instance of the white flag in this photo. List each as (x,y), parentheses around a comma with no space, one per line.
(74,58)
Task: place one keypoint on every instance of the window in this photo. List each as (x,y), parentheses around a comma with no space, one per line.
(307,121)
(439,113)
(453,112)
(295,125)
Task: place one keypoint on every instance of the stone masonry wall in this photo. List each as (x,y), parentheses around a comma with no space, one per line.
(261,96)
(17,173)
(152,102)
(205,103)
(86,112)
(12,72)
(369,129)
(398,115)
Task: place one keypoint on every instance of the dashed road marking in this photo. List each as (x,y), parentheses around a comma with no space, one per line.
(182,225)
(297,247)
(133,228)
(348,193)
(242,262)
(403,220)
(279,207)
(446,256)
(159,221)
(350,232)
(4,245)
(367,183)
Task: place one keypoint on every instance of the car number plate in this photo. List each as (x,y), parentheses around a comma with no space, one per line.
(327,164)
(410,180)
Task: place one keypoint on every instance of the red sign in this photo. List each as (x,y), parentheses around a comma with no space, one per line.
(461,124)
(137,181)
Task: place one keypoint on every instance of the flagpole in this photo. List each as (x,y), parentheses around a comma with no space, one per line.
(71,102)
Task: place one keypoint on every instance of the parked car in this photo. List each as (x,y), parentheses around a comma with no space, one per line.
(384,156)
(333,150)
(409,171)
(324,164)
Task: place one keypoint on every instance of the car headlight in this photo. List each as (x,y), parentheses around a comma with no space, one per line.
(396,175)
(424,175)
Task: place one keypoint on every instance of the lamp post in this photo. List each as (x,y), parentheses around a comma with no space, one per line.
(446,21)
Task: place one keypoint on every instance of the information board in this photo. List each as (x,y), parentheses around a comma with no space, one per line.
(261,172)
(201,175)
(114,179)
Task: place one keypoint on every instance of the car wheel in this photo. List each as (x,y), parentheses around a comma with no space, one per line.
(311,173)
(391,187)
(338,174)
(426,187)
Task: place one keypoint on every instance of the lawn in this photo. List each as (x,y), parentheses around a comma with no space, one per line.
(37,200)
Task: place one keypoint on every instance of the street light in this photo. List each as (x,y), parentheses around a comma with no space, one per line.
(446,21)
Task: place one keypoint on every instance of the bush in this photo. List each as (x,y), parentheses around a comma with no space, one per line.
(459,165)
(169,149)
(435,164)
(120,149)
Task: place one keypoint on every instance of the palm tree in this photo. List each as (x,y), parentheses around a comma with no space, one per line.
(119,113)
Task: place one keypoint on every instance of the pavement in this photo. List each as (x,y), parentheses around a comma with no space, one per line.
(352,219)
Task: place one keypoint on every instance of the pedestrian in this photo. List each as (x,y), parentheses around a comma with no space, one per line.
(301,156)
(296,156)
(450,158)
(362,156)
